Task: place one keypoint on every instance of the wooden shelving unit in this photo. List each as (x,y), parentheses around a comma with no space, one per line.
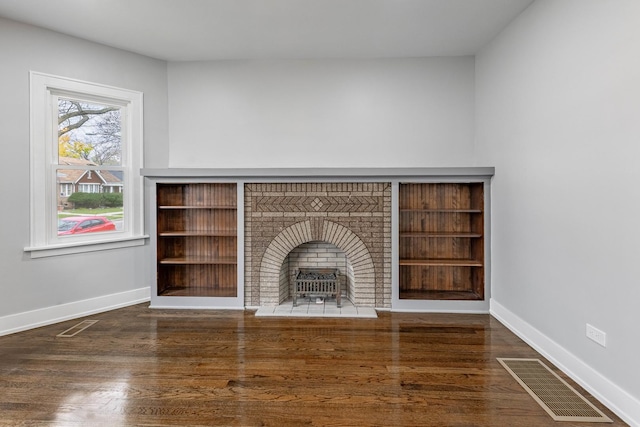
(197,239)
(441,247)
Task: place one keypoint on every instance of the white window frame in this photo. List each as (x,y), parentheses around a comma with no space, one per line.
(45,90)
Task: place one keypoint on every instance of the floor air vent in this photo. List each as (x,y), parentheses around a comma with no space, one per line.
(561,401)
(75,330)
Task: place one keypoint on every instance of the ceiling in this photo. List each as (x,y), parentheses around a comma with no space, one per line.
(194,30)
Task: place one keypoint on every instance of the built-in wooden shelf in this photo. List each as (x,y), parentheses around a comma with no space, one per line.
(441,247)
(440,237)
(190,291)
(196,207)
(197,239)
(435,234)
(224,233)
(198,260)
(442,295)
(442,210)
(442,262)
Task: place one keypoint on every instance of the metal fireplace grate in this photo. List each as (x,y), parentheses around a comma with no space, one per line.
(320,282)
(561,401)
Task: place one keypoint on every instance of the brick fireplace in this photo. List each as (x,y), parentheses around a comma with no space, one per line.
(344,225)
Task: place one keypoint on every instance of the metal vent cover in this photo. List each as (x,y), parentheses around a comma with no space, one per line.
(75,330)
(561,401)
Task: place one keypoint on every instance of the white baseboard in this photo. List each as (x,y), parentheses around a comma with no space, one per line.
(616,399)
(59,313)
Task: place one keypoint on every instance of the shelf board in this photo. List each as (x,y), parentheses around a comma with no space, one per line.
(229,233)
(442,262)
(185,207)
(442,210)
(440,295)
(439,234)
(200,291)
(199,260)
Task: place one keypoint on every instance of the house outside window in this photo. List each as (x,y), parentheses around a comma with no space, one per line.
(89,188)
(86,152)
(66,189)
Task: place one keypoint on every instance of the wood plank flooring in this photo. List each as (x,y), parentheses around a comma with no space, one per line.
(142,367)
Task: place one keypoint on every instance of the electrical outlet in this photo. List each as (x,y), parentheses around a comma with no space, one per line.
(596,335)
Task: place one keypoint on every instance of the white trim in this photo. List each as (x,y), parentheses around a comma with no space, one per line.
(59,313)
(240,286)
(208,303)
(455,310)
(43,190)
(81,247)
(618,400)
(440,306)
(395,242)
(195,302)
(330,174)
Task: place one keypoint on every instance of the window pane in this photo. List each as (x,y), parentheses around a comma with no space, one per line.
(89,201)
(89,133)
(89,198)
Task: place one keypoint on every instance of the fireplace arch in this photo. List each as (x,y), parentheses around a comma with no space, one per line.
(363,290)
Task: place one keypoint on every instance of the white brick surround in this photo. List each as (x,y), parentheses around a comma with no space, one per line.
(300,233)
(354,217)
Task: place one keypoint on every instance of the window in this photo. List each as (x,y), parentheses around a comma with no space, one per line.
(89,188)
(66,189)
(86,152)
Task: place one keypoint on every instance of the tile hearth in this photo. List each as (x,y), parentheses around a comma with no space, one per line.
(309,308)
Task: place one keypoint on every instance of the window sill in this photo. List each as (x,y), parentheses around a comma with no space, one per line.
(82,247)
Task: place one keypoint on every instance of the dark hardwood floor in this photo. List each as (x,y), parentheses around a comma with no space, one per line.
(142,367)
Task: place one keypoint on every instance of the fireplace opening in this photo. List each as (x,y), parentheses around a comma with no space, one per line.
(353,259)
(320,257)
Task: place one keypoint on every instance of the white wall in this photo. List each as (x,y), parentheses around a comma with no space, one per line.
(396,112)
(38,286)
(558,115)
